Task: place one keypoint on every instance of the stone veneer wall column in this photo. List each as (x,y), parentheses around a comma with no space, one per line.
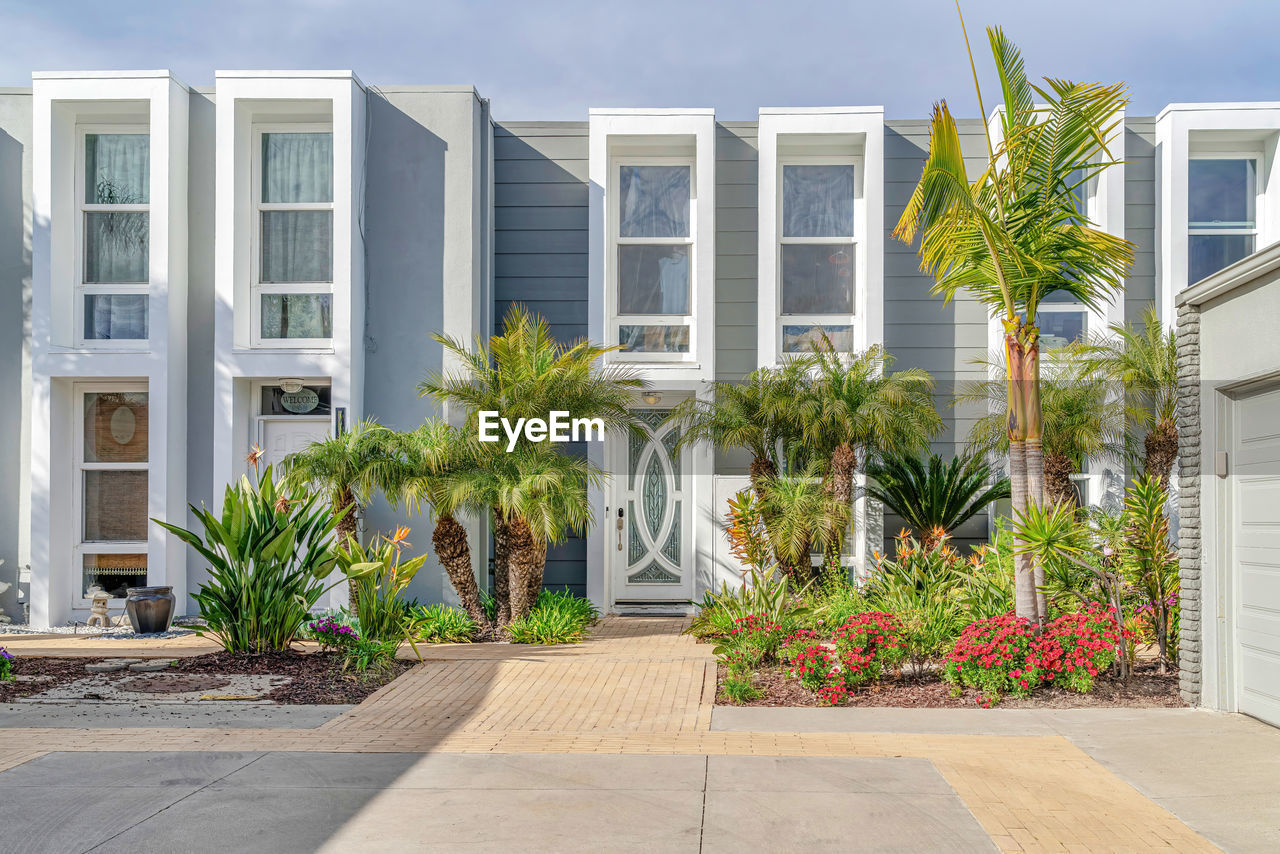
(1189,499)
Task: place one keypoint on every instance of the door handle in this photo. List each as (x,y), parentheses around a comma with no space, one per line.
(619,529)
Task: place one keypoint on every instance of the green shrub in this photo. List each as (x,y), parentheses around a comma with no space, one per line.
(379,573)
(738,688)
(268,555)
(440,624)
(922,587)
(558,617)
(365,656)
(760,594)
(6,666)
(832,604)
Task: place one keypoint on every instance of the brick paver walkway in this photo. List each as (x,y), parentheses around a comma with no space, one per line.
(639,686)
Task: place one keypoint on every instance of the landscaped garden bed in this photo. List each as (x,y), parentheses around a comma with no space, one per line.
(296,678)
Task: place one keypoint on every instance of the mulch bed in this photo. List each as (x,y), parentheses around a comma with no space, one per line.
(1145,689)
(315,678)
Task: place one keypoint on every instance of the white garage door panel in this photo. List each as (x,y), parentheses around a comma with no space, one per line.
(1255,463)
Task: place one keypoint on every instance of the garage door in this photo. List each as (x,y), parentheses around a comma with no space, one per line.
(1255,464)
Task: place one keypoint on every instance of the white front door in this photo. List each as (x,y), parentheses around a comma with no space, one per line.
(651,516)
(279,437)
(1255,470)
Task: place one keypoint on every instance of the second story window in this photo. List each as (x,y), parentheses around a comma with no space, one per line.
(1222,225)
(115,236)
(654,259)
(817,255)
(293,273)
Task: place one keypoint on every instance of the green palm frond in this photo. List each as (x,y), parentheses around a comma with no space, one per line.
(937,493)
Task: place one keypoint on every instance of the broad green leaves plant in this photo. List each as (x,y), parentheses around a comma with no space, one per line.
(268,555)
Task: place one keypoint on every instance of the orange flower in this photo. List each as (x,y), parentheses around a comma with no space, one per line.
(255,454)
(400,538)
(282,504)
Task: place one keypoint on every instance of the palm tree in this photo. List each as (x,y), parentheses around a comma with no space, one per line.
(756,414)
(429,458)
(347,469)
(1083,419)
(853,407)
(937,497)
(526,373)
(1013,236)
(1144,360)
(800,509)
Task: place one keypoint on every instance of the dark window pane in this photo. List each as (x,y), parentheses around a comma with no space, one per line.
(297,316)
(654,339)
(653,201)
(297,246)
(115,317)
(116,247)
(115,427)
(117,168)
(817,279)
(653,279)
(804,339)
(113,573)
(297,167)
(817,201)
(115,506)
(1060,328)
(1222,193)
(1209,253)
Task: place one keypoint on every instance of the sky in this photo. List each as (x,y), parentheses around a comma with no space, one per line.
(551,60)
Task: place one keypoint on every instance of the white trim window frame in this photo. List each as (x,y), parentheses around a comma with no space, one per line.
(83,287)
(854,241)
(83,547)
(656,321)
(257,287)
(1202,152)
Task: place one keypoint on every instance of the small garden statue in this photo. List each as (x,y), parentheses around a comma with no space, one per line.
(98,615)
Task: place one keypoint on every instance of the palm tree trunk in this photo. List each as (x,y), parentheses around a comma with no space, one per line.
(1161,447)
(1058,469)
(1035,452)
(522,566)
(501,570)
(762,468)
(538,576)
(1025,599)
(347,529)
(454,553)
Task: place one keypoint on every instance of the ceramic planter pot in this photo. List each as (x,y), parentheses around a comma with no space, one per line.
(150,609)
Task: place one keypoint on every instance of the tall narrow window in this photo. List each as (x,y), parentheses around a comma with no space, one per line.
(112,470)
(294,275)
(653,258)
(817,255)
(1222,225)
(115,237)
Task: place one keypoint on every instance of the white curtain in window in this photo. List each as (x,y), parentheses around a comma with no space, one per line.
(117,168)
(297,246)
(817,201)
(297,167)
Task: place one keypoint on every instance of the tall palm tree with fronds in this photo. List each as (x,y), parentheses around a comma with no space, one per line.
(526,373)
(756,414)
(1013,236)
(854,407)
(1144,360)
(1083,418)
(935,497)
(348,469)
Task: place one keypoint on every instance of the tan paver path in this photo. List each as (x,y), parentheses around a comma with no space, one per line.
(639,686)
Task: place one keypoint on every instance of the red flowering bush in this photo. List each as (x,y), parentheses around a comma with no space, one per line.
(1075,648)
(814,665)
(991,655)
(1005,655)
(753,640)
(867,644)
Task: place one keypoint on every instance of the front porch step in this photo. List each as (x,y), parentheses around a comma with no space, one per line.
(653,609)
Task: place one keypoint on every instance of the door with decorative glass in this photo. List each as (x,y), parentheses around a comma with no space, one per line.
(652,516)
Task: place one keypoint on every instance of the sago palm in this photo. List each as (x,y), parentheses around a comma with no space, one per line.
(1083,417)
(1144,361)
(1012,236)
(934,497)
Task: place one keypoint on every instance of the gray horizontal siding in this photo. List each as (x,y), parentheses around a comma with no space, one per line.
(1140,220)
(540,257)
(737,331)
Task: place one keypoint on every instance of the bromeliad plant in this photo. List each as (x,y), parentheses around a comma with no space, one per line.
(269,553)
